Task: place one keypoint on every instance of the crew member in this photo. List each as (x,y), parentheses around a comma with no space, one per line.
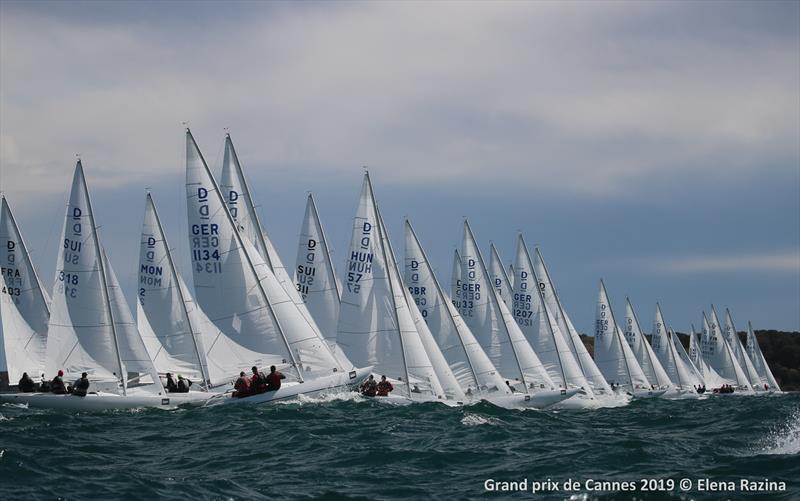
(369,387)
(274,379)
(384,387)
(81,386)
(242,386)
(26,384)
(183,384)
(57,384)
(171,386)
(257,381)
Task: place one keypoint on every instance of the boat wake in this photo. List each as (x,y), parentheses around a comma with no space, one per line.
(476,420)
(783,439)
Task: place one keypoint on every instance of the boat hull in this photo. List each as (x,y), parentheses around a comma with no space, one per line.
(537,400)
(103,401)
(317,386)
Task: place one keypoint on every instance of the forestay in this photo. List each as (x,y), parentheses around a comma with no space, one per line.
(24,306)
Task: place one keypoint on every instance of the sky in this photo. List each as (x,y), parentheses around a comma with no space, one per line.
(655,145)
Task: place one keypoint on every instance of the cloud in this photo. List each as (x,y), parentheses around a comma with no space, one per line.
(594,98)
(778,262)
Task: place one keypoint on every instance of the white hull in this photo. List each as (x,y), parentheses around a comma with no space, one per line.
(640,394)
(317,386)
(104,401)
(681,394)
(537,400)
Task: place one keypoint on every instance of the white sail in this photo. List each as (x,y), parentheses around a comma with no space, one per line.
(238,290)
(710,377)
(375,323)
(585,361)
(717,352)
(492,323)
(467,360)
(740,353)
(510,275)
(611,353)
(455,280)
(498,276)
(760,363)
(687,371)
(670,358)
(24,306)
(448,381)
(91,328)
(637,341)
(540,328)
(315,276)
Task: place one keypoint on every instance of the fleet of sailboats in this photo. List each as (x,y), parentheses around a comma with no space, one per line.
(500,334)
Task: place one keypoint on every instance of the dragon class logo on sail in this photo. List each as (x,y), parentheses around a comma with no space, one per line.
(205,238)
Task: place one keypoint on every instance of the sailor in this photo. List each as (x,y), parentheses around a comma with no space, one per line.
(44,385)
(183,384)
(57,384)
(257,382)
(469,391)
(415,389)
(81,386)
(384,387)
(513,390)
(171,386)
(370,387)
(26,384)
(274,379)
(242,386)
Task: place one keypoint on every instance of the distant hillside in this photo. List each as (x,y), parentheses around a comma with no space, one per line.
(781,350)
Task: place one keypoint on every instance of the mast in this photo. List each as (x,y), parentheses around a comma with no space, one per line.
(103,284)
(247,256)
(443,299)
(493,294)
(543,307)
(200,359)
(382,235)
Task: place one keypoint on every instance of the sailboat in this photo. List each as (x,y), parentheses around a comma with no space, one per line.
(614,356)
(91,328)
(710,377)
(641,348)
(542,331)
(600,387)
(378,325)
(494,326)
(24,307)
(676,363)
(759,362)
(719,355)
(239,199)
(476,374)
(244,298)
(740,353)
(177,334)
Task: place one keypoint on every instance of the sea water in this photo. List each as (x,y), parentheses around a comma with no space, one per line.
(350,447)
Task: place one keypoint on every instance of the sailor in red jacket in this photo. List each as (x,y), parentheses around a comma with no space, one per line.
(242,386)
(274,379)
(384,387)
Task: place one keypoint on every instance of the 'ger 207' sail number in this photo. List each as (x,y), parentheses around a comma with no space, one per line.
(360,260)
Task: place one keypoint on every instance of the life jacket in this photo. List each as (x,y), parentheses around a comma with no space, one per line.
(384,387)
(171,386)
(274,380)
(369,388)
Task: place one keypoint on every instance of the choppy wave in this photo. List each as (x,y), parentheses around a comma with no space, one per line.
(348,447)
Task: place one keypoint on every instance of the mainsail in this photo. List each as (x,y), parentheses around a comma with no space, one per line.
(759,362)
(679,368)
(587,365)
(315,276)
(717,352)
(642,350)
(611,353)
(499,278)
(709,375)
(540,328)
(24,306)
(91,328)
(492,323)
(470,364)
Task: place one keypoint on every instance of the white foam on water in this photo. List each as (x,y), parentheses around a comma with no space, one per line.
(476,420)
(341,396)
(783,439)
(3,418)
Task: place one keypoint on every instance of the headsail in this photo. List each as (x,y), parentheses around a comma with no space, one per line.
(760,363)
(590,370)
(644,352)
(611,353)
(473,369)
(24,306)
(540,328)
(492,323)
